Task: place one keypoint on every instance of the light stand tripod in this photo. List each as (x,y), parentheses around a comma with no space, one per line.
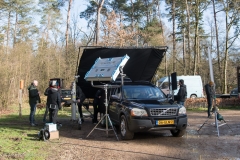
(74,104)
(214,108)
(217,117)
(106,116)
(106,69)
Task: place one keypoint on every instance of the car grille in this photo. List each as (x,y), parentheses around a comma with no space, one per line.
(163,111)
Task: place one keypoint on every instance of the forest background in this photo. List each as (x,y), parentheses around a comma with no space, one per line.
(41,39)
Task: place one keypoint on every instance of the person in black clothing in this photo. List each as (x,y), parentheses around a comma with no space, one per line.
(210,94)
(98,104)
(34,98)
(46,94)
(53,102)
(182,92)
(47,109)
(80,97)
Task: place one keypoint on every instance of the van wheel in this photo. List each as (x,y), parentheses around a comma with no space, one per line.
(125,133)
(193,96)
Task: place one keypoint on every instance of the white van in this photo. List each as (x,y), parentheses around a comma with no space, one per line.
(193,83)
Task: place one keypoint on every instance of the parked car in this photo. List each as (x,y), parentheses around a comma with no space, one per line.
(66,95)
(152,112)
(234,92)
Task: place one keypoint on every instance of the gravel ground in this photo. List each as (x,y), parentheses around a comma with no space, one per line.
(205,144)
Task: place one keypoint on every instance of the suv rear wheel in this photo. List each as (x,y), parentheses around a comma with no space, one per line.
(125,133)
(178,133)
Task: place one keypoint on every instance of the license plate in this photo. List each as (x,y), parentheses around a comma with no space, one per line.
(66,98)
(164,122)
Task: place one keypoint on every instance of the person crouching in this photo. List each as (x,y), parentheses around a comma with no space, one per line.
(53,103)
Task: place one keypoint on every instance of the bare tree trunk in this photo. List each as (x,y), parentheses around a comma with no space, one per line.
(8,30)
(174,36)
(196,40)
(98,19)
(188,37)
(15,30)
(226,55)
(184,62)
(68,21)
(216,30)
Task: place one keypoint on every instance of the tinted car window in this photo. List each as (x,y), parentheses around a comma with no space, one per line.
(66,92)
(142,92)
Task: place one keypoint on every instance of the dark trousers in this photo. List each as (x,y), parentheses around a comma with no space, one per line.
(32,113)
(97,108)
(45,114)
(95,112)
(209,101)
(80,109)
(53,115)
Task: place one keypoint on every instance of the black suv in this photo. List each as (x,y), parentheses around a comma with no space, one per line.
(141,107)
(66,96)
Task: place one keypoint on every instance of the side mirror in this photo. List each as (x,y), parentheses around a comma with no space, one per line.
(171,101)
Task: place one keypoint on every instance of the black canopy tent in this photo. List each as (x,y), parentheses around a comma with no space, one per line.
(142,65)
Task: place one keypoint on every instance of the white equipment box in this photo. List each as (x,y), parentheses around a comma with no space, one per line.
(51,127)
(106,69)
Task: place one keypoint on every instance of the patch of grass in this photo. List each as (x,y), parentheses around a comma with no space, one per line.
(20,142)
(18,139)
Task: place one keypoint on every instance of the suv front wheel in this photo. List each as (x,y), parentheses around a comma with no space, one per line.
(125,133)
(178,133)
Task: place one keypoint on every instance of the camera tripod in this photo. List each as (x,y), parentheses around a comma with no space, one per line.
(106,116)
(217,117)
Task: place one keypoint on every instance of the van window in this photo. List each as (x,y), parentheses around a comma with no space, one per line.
(165,85)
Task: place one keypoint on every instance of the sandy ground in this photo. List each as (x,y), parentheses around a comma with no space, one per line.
(195,144)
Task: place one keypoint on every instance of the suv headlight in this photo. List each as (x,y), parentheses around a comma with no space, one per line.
(182,110)
(138,112)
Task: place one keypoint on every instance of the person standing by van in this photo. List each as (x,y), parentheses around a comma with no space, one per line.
(182,92)
(209,93)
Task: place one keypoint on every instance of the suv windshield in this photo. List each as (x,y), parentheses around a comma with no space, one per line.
(142,92)
(66,92)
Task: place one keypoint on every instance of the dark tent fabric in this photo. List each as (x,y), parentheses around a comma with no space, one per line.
(142,64)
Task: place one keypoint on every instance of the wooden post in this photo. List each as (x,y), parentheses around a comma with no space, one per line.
(20,97)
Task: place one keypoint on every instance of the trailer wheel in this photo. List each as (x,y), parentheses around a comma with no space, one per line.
(193,96)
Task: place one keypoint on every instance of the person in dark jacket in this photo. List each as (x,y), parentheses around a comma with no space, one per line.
(46,94)
(210,94)
(98,104)
(34,98)
(80,97)
(53,102)
(182,92)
